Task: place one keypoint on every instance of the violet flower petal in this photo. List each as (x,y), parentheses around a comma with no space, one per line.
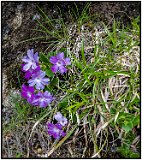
(31,82)
(53,60)
(54,68)
(39,86)
(27,75)
(36,57)
(62,69)
(45,81)
(26,60)
(61,119)
(42,74)
(42,104)
(30,53)
(60,55)
(58,116)
(63,134)
(67,61)
(26,67)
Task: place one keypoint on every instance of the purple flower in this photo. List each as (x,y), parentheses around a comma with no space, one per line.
(38,80)
(59,63)
(42,99)
(31,60)
(55,130)
(29,72)
(61,119)
(27,93)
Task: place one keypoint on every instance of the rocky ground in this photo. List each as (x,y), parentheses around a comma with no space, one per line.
(17,22)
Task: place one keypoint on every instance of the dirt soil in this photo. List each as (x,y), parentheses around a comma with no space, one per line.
(17,22)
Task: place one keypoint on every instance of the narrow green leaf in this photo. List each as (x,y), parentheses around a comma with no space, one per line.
(49,73)
(77,105)
(55,82)
(43,58)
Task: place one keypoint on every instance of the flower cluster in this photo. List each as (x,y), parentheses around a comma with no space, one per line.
(36,80)
(55,130)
